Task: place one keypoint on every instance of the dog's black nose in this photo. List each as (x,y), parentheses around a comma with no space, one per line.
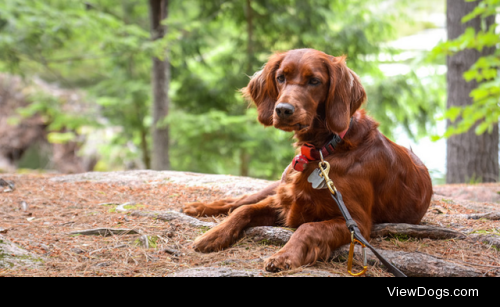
(284,110)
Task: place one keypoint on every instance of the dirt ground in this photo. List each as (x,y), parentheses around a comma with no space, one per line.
(52,210)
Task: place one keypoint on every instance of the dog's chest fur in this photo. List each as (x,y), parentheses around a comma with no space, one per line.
(300,203)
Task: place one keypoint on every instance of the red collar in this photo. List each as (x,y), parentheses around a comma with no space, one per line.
(310,153)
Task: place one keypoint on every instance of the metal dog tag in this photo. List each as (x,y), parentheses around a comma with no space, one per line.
(317,181)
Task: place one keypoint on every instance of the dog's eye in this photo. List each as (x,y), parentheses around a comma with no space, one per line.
(314,81)
(281,78)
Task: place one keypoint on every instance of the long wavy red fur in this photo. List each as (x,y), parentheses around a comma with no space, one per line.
(381,182)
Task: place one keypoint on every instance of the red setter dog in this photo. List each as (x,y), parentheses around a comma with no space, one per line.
(317,97)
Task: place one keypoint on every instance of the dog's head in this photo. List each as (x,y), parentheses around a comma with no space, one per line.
(293,86)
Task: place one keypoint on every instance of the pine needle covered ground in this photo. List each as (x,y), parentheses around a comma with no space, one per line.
(40,215)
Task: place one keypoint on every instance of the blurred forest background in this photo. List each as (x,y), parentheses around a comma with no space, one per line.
(76,79)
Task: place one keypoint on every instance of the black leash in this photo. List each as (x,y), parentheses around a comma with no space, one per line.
(353,227)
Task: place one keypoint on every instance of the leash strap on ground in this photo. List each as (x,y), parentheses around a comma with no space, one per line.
(353,227)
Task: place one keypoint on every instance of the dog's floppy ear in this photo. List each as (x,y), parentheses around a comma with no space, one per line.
(345,96)
(262,89)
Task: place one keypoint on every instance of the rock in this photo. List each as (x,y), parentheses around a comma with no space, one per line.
(412,264)
(12,256)
(312,273)
(232,185)
(482,207)
(216,272)
(271,235)
(228,272)
(469,192)
(423,265)
(6,186)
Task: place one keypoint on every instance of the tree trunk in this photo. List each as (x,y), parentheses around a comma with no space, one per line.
(470,157)
(244,155)
(160,79)
(144,147)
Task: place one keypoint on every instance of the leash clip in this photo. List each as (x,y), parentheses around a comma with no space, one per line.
(324,167)
(351,257)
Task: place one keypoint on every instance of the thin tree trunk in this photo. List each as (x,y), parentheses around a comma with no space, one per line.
(470,157)
(250,36)
(161,79)
(244,155)
(144,147)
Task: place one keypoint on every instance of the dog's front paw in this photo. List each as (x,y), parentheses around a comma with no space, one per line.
(281,262)
(214,240)
(194,209)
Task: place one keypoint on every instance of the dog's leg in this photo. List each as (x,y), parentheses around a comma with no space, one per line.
(312,242)
(229,231)
(223,207)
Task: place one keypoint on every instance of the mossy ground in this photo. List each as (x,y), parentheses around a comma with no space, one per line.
(10,259)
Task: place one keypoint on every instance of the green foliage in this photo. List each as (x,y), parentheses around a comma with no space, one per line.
(152,241)
(203,143)
(213,53)
(485,109)
(95,45)
(104,47)
(397,237)
(406,101)
(55,112)
(493,231)
(61,138)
